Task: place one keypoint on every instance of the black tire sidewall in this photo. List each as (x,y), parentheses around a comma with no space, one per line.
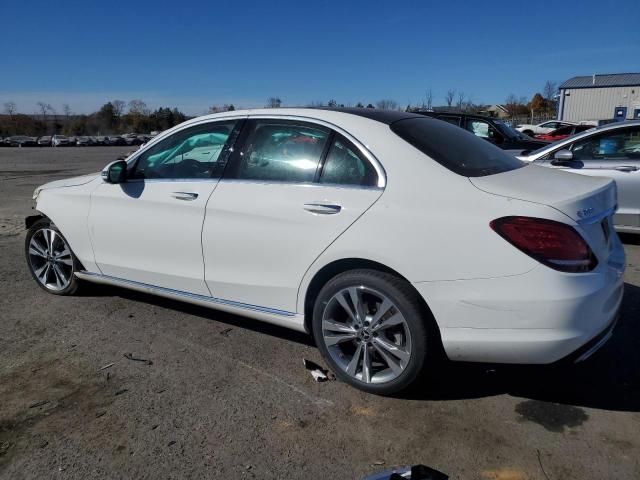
(38,225)
(405,298)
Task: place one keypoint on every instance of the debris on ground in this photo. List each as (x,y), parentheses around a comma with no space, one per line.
(120,392)
(43,444)
(39,404)
(172,442)
(108,365)
(225,332)
(318,373)
(129,356)
(377,463)
(417,472)
(4,447)
(101,413)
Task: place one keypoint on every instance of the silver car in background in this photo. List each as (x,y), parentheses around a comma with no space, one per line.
(609,151)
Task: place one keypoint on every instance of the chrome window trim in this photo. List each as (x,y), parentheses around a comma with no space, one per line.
(298,184)
(195,296)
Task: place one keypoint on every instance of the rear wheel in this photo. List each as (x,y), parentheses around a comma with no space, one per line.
(50,259)
(372,330)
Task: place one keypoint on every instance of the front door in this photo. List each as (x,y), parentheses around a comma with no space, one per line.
(614,154)
(149,228)
(291,189)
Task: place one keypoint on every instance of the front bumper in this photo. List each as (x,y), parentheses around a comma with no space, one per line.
(536,318)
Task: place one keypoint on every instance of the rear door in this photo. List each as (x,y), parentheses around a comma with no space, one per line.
(615,154)
(291,189)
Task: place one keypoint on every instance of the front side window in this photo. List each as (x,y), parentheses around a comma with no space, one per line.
(616,144)
(282,151)
(345,165)
(483,129)
(195,152)
(453,120)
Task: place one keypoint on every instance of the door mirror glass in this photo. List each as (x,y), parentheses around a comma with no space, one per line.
(115,172)
(563,155)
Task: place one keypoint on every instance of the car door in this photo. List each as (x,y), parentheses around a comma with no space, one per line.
(148,229)
(291,189)
(613,153)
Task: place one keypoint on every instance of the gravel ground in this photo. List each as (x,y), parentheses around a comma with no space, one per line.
(228,397)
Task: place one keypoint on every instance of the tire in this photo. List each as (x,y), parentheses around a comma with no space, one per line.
(51,261)
(402,326)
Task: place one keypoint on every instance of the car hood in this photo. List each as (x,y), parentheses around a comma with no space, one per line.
(67,182)
(577,196)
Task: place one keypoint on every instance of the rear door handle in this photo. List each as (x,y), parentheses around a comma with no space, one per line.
(626,168)
(322,208)
(184,195)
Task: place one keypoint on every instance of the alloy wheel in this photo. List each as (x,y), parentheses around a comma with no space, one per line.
(366,334)
(50,259)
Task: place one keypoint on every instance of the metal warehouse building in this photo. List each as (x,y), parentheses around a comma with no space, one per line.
(600,97)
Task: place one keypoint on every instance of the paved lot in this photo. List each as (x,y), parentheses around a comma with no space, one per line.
(227,397)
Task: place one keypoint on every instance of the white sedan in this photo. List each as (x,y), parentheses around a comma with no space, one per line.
(541,128)
(391,237)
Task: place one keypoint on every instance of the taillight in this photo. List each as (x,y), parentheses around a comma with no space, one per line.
(554,244)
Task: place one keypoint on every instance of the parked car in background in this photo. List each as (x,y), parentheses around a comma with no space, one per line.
(609,151)
(114,140)
(389,236)
(83,141)
(21,141)
(154,133)
(563,132)
(59,141)
(541,128)
(44,141)
(132,139)
(491,129)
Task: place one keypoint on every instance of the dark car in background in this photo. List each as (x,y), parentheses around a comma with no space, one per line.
(491,129)
(21,141)
(114,140)
(44,141)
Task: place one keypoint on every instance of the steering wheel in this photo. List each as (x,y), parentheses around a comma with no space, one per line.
(189,168)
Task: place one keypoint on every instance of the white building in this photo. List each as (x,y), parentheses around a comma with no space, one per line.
(600,97)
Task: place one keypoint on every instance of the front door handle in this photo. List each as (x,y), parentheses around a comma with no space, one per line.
(626,168)
(322,208)
(184,195)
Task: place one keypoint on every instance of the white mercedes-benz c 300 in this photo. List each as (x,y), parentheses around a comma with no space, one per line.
(390,237)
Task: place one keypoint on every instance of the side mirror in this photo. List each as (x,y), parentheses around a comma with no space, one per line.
(115,172)
(562,157)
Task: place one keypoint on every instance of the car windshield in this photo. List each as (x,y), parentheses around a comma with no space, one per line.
(455,148)
(507,130)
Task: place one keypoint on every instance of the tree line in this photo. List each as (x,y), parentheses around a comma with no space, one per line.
(114,117)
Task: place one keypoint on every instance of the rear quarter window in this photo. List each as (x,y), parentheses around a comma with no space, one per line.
(454,148)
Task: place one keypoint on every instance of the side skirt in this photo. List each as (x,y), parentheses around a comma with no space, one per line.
(294,321)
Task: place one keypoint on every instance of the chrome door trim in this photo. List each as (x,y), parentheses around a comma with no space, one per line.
(90,276)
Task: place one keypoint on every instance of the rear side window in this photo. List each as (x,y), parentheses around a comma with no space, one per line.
(454,148)
(282,152)
(345,166)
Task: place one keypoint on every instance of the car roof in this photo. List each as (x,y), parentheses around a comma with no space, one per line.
(320,113)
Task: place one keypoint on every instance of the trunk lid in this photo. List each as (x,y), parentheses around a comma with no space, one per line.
(590,201)
(577,196)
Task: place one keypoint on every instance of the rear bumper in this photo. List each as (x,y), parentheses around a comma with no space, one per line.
(537,318)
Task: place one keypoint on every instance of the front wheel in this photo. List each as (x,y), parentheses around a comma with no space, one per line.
(50,259)
(372,330)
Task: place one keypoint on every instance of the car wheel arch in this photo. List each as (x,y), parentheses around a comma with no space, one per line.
(336,267)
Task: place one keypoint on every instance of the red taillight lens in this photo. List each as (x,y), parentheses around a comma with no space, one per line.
(554,244)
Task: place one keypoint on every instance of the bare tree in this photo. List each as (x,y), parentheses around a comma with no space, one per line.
(215,109)
(138,107)
(66,109)
(274,102)
(118,107)
(550,89)
(44,109)
(461,100)
(332,103)
(387,104)
(10,109)
(451,93)
(428,100)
